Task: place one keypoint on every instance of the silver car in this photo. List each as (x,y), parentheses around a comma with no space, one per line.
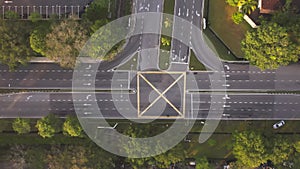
(278,124)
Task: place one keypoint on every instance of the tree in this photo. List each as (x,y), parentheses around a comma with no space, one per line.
(35,16)
(249,148)
(174,155)
(98,24)
(102,44)
(72,127)
(37,38)
(61,157)
(281,149)
(14,45)
(48,126)
(17,155)
(21,126)
(167,23)
(270,46)
(232,2)
(165,41)
(297,146)
(237,17)
(96,11)
(65,41)
(11,15)
(247,6)
(202,163)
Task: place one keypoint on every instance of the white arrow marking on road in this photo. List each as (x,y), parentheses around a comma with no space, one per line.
(227,67)
(187,12)
(87,84)
(28,97)
(87,104)
(87,75)
(226,105)
(157,8)
(86,113)
(197,13)
(226,115)
(226,85)
(178,11)
(226,75)
(226,97)
(87,97)
(89,67)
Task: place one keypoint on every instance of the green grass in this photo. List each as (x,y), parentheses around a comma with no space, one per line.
(169,6)
(164,60)
(195,64)
(127,65)
(164,57)
(219,19)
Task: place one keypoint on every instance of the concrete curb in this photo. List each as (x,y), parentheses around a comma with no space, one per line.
(41,60)
(239,62)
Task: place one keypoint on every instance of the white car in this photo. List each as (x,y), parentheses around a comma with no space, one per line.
(278,124)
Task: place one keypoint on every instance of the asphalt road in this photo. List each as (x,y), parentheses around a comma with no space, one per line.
(238,106)
(238,77)
(191,12)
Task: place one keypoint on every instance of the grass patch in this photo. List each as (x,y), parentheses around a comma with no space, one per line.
(217,46)
(169,6)
(195,64)
(130,64)
(219,20)
(166,31)
(164,60)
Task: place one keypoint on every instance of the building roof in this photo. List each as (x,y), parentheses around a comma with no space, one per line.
(269,6)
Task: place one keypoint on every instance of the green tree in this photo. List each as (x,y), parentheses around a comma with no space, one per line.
(96,11)
(21,126)
(65,41)
(249,148)
(48,126)
(237,17)
(247,6)
(98,24)
(165,41)
(281,149)
(72,127)
(101,44)
(35,16)
(174,155)
(37,38)
(202,163)
(62,157)
(270,46)
(233,3)
(297,146)
(11,15)
(14,44)
(167,23)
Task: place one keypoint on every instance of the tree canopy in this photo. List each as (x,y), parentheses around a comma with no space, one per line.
(21,126)
(48,126)
(202,163)
(270,46)
(249,148)
(72,127)
(253,148)
(65,41)
(14,44)
(38,38)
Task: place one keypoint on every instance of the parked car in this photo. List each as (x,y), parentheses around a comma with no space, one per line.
(278,124)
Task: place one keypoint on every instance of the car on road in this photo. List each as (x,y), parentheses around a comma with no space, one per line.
(278,124)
